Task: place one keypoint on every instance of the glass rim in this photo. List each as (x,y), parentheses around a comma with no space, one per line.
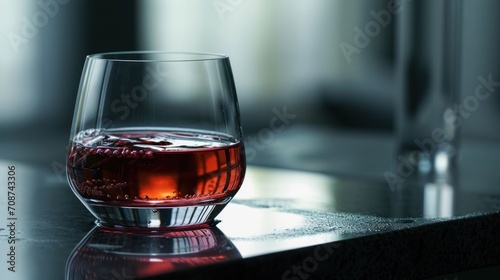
(160,56)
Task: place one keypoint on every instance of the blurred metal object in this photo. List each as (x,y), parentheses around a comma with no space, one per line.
(428,67)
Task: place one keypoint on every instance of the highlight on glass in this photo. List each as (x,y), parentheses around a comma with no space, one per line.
(156,140)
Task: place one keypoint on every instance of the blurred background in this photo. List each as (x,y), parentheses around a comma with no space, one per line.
(298,58)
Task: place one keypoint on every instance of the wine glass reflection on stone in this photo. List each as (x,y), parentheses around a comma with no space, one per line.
(108,254)
(156,139)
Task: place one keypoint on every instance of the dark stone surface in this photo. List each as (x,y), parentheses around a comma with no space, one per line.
(280,221)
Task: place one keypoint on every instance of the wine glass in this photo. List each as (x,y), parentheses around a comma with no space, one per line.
(156,140)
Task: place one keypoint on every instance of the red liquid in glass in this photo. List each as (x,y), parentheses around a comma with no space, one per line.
(161,168)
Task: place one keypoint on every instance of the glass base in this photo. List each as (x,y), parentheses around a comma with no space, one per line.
(155,218)
(417,166)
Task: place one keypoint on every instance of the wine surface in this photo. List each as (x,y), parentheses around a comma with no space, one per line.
(144,168)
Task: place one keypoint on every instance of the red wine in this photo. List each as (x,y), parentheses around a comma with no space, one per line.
(160,168)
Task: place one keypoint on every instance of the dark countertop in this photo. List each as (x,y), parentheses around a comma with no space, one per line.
(283,224)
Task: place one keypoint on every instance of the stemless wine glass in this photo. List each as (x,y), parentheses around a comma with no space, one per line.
(156,141)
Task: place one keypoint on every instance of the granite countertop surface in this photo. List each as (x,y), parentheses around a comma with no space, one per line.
(287,222)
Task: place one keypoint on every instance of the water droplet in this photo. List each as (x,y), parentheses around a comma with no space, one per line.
(108,152)
(168,197)
(134,154)
(146,197)
(100,152)
(126,196)
(155,210)
(149,222)
(108,196)
(148,154)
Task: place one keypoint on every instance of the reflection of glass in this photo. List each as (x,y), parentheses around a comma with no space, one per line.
(431,199)
(438,200)
(156,139)
(109,254)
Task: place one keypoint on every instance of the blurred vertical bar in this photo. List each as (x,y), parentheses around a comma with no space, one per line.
(16,54)
(427,62)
